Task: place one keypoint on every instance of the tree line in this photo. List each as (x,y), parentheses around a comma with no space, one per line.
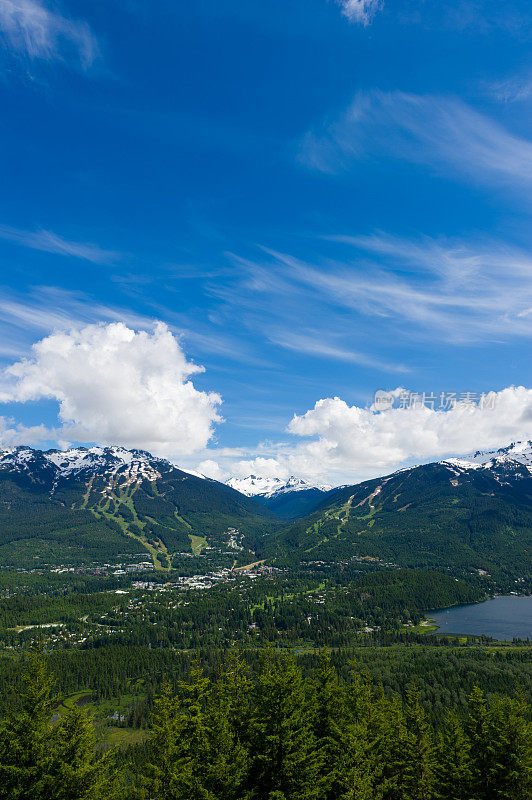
(271,735)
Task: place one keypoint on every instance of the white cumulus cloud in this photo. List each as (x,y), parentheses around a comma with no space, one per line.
(349,440)
(211,469)
(349,443)
(13,433)
(117,385)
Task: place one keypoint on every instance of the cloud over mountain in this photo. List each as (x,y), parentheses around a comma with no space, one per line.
(350,443)
(114,384)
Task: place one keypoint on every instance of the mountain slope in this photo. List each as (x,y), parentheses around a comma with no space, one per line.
(506,459)
(92,505)
(287,499)
(456,513)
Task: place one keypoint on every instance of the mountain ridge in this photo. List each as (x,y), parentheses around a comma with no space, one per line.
(93,504)
(467,515)
(254,485)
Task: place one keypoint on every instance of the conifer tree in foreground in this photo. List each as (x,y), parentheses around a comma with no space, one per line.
(330,731)
(452,772)
(500,741)
(285,762)
(195,751)
(276,737)
(43,760)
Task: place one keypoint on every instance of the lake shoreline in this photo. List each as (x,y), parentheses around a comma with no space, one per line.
(510,618)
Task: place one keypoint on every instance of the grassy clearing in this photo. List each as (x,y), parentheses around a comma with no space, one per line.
(247,567)
(423,627)
(159,553)
(122,737)
(197,543)
(182,521)
(77,699)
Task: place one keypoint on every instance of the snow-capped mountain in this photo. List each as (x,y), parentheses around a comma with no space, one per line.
(255,486)
(515,456)
(131,464)
(93,505)
(288,499)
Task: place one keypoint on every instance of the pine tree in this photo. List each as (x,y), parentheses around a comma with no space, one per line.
(330,731)
(194,749)
(164,762)
(226,771)
(379,746)
(282,741)
(418,751)
(500,748)
(26,759)
(40,759)
(476,728)
(362,740)
(78,773)
(452,773)
(508,751)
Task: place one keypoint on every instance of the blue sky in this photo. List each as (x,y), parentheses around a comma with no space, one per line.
(318,199)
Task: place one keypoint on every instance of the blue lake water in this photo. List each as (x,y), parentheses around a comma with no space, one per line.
(504,617)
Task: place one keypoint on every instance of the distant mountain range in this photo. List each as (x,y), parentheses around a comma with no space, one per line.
(510,459)
(288,499)
(93,505)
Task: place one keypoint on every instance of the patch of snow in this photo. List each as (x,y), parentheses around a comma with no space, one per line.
(517,454)
(194,473)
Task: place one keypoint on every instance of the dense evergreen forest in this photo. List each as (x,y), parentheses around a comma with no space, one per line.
(273,733)
(319,608)
(106,513)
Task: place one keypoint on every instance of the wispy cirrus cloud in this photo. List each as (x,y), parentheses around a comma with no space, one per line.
(442,132)
(43,309)
(289,312)
(31,29)
(50,242)
(512,90)
(360,11)
(461,291)
(313,343)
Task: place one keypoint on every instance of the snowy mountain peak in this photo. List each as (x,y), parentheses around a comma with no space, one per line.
(256,486)
(132,464)
(517,454)
(106,458)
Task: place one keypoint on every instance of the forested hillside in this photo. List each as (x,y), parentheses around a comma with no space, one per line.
(429,516)
(114,502)
(90,507)
(290,505)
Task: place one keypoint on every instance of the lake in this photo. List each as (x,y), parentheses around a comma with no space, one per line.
(502,618)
